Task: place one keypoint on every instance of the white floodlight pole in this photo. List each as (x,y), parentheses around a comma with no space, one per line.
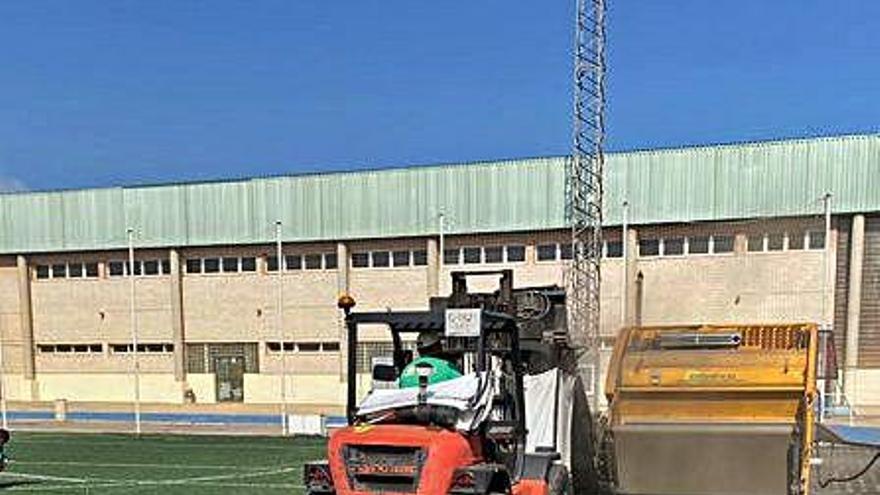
(280,322)
(134,334)
(441,218)
(624,236)
(3,389)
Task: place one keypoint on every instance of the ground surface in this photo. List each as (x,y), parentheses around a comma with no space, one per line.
(92,463)
(167,464)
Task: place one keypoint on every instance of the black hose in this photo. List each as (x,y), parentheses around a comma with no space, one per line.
(847,479)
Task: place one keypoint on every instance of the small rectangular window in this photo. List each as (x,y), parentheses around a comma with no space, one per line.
(796,240)
(116,268)
(271,263)
(330,347)
(516,253)
(722,244)
(420,257)
(698,245)
(166,267)
(817,239)
(211,265)
(566,251)
(273,346)
(91,270)
(168,347)
(756,243)
(194,266)
(151,267)
(775,242)
(138,268)
(492,254)
(46,348)
(313,261)
(59,271)
(472,255)
(97,348)
(120,348)
(82,348)
(546,252)
(293,262)
(331,261)
(614,249)
(63,348)
(249,264)
(360,260)
(308,347)
(155,348)
(42,271)
(289,347)
(451,256)
(381,258)
(673,246)
(75,270)
(230,265)
(400,258)
(649,247)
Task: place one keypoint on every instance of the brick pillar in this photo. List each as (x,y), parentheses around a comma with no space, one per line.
(854,305)
(26,316)
(178,332)
(433,267)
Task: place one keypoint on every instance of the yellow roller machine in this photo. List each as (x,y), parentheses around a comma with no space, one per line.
(712,410)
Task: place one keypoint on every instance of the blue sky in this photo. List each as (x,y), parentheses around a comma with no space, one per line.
(96,93)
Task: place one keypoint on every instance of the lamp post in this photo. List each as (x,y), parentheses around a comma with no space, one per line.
(134,334)
(279,289)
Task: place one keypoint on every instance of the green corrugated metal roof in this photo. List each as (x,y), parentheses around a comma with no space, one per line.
(781,178)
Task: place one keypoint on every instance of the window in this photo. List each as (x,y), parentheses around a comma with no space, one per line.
(211,265)
(70,348)
(273,346)
(75,270)
(230,265)
(289,346)
(271,263)
(674,246)
(249,264)
(649,247)
(151,267)
(381,258)
(722,244)
(313,261)
(756,243)
(192,266)
(516,253)
(96,348)
(400,258)
(59,271)
(42,271)
(308,346)
(331,261)
(91,270)
(138,268)
(493,254)
(817,239)
(614,249)
(546,252)
(698,245)
(166,267)
(566,251)
(116,268)
(330,346)
(293,262)
(796,240)
(472,255)
(152,348)
(775,242)
(360,260)
(451,256)
(420,257)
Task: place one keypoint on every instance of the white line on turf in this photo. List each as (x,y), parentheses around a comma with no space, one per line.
(132,465)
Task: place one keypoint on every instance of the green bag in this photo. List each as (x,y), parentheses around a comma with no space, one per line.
(443,371)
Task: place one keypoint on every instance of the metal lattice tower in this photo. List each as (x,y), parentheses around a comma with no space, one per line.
(584,189)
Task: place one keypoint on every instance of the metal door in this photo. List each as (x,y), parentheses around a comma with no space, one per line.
(230,378)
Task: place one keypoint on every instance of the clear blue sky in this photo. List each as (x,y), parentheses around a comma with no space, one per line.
(96,93)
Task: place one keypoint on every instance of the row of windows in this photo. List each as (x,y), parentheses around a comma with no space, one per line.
(228,264)
(313,261)
(305,347)
(678,246)
(778,241)
(141,267)
(387,259)
(99,348)
(67,270)
(471,255)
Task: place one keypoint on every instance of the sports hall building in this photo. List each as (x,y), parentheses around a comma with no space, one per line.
(728,233)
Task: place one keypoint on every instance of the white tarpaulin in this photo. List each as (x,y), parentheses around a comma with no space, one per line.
(468,394)
(549,399)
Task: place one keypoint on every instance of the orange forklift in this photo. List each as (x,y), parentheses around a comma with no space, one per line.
(508,424)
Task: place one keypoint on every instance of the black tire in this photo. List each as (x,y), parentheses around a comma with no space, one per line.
(584,477)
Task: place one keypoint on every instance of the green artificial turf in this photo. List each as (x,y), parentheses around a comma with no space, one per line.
(166,464)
